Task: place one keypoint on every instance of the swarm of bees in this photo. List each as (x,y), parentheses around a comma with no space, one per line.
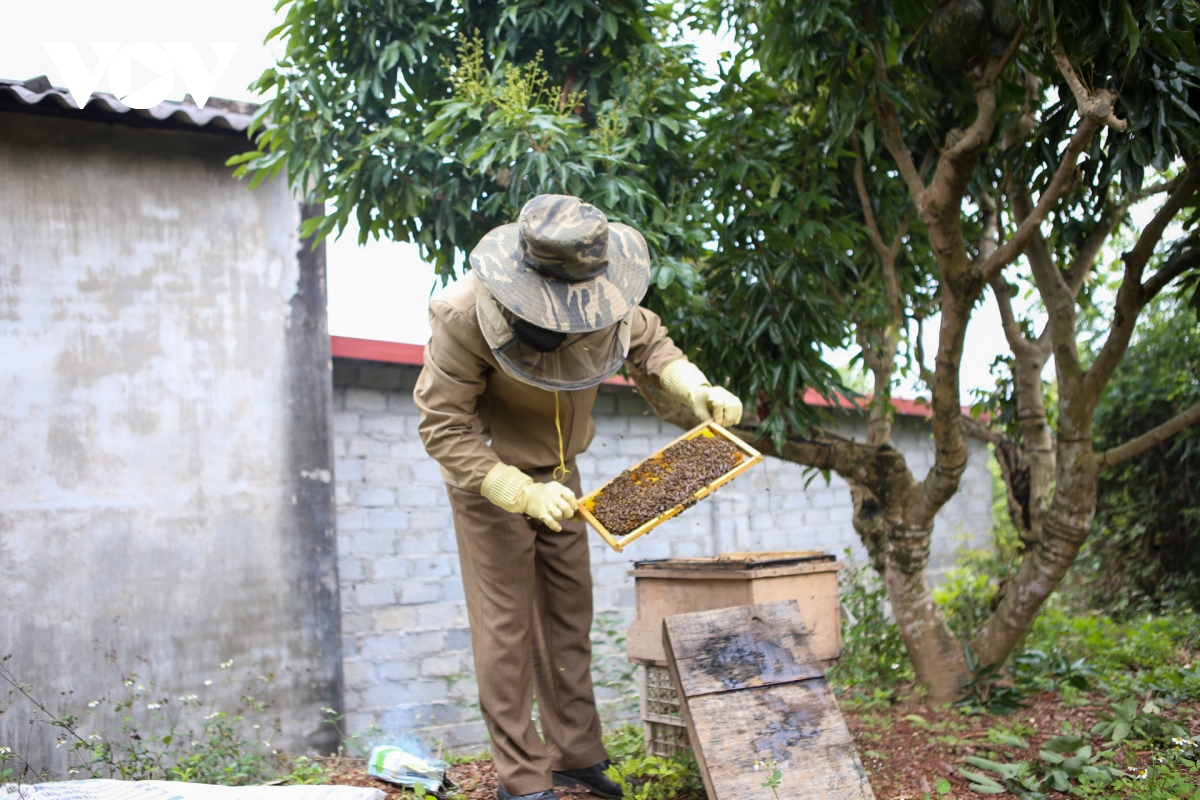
(662,482)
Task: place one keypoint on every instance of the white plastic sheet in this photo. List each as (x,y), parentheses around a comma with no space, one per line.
(178,790)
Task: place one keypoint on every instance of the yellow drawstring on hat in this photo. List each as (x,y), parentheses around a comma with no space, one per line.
(562,461)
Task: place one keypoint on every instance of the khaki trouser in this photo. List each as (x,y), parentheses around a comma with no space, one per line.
(529,602)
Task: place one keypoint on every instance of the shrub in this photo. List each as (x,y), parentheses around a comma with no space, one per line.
(1144,552)
(873,653)
(1114,645)
(139,732)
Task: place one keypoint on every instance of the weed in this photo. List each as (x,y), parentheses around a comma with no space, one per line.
(141,733)
(1126,721)
(626,742)
(658,778)
(1111,646)
(987,692)
(1063,763)
(774,777)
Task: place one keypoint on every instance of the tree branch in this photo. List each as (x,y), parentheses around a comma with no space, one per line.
(865,199)
(1008,252)
(1096,105)
(989,238)
(1177,265)
(1135,447)
(1008,320)
(996,67)
(891,282)
(1131,296)
(893,137)
(925,374)
(1151,235)
(1052,286)
(894,250)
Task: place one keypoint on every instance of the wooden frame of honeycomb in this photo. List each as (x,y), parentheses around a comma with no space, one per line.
(588,502)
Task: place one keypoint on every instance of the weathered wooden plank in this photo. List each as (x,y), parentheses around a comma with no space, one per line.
(753,692)
(797,726)
(740,647)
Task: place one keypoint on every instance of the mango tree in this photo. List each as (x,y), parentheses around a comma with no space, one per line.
(860,168)
(971,145)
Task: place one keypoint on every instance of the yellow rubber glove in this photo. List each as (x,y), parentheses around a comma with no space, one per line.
(684,380)
(515,491)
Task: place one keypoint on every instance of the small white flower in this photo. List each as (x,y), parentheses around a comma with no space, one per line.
(128,682)
(895,666)
(73,772)
(141,688)
(95,737)
(213,715)
(61,742)
(227,664)
(256,727)
(5,749)
(93,704)
(208,683)
(153,706)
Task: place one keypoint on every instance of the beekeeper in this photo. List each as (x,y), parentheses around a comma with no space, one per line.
(518,348)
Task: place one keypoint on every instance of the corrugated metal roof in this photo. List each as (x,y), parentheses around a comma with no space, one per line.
(217,116)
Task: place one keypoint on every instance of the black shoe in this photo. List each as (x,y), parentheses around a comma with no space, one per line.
(548,794)
(592,778)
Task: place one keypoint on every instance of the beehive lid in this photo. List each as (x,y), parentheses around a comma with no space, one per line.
(735,562)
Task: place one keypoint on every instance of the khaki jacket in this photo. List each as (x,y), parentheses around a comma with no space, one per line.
(468,402)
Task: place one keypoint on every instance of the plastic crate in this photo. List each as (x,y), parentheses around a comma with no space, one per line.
(666,732)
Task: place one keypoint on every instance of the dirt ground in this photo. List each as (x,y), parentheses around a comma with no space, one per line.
(904,759)
(474,779)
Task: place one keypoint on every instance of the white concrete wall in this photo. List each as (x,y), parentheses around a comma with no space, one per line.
(407,647)
(161,390)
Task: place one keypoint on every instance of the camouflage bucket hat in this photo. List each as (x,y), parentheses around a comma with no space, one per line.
(563,266)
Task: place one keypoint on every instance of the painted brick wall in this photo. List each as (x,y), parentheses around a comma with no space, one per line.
(407,646)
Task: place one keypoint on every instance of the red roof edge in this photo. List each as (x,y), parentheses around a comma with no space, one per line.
(414,355)
(400,353)
(375,350)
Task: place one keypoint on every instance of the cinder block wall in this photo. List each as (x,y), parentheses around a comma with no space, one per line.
(406,643)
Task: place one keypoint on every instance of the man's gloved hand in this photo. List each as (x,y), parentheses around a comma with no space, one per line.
(684,380)
(515,491)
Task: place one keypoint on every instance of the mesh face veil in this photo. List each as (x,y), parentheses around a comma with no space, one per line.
(548,359)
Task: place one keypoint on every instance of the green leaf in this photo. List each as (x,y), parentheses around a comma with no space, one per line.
(1063,744)
(868,140)
(942,786)
(1131,29)
(610,24)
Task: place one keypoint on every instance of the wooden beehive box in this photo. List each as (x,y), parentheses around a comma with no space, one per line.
(668,587)
(710,429)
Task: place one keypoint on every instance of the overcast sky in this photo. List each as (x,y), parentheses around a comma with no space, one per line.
(381,290)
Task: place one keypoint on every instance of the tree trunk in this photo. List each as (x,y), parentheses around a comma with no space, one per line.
(935,652)
(1065,526)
